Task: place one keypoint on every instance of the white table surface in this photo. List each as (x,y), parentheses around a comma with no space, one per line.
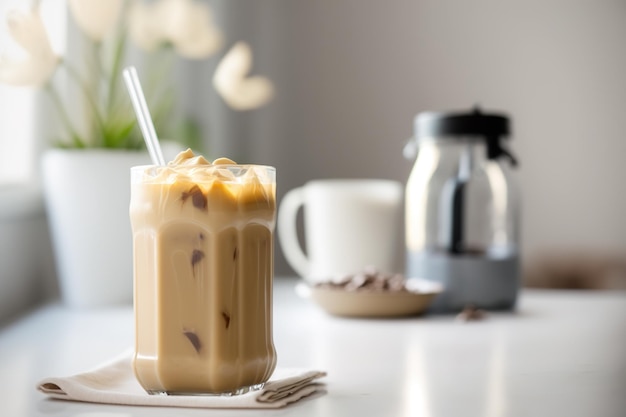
(562,354)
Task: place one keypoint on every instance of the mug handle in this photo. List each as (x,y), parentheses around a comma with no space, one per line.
(287,232)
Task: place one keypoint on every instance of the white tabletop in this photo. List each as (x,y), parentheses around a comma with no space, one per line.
(562,354)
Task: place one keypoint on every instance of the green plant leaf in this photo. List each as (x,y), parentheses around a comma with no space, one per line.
(117,135)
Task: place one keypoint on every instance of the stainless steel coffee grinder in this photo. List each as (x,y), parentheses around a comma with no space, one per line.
(462,210)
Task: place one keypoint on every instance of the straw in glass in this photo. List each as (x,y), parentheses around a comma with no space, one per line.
(143,115)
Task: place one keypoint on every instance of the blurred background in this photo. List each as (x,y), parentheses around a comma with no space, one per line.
(349,77)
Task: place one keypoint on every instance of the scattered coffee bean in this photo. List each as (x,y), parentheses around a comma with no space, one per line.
(471,313)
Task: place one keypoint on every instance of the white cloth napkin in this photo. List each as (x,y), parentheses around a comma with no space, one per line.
(115,383)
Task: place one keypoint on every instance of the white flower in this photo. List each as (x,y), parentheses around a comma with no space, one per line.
(142,26)
(38,62)
(95,17)
(186,24)
(231,82)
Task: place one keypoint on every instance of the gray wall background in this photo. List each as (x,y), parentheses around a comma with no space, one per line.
(351,74)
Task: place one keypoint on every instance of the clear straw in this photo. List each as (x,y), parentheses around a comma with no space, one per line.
(143,115)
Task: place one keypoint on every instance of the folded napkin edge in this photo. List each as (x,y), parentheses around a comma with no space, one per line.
(286,386)
(50,388)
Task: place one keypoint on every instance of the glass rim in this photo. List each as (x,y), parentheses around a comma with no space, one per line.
(152,166)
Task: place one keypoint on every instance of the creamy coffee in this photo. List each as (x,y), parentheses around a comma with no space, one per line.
(203,253)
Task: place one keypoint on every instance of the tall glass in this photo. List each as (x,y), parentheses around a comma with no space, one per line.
(203,271)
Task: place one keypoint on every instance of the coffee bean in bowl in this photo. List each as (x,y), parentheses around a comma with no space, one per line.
(368,280)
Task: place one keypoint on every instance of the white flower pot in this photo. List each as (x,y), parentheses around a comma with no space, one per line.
(87,195)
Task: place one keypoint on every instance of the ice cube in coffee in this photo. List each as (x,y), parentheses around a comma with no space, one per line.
(203,256)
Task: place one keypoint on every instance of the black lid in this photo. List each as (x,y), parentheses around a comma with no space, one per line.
(492,127)
(475,123)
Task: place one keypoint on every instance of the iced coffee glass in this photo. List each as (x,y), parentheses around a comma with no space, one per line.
(203,270)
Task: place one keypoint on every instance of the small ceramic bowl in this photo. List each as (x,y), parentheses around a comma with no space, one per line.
(376,304)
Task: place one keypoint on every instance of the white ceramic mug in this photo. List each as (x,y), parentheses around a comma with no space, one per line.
(349,224)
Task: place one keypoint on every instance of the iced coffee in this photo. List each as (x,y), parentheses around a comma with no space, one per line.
(203,269)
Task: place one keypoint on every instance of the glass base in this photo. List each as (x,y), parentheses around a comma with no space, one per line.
(238,391)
